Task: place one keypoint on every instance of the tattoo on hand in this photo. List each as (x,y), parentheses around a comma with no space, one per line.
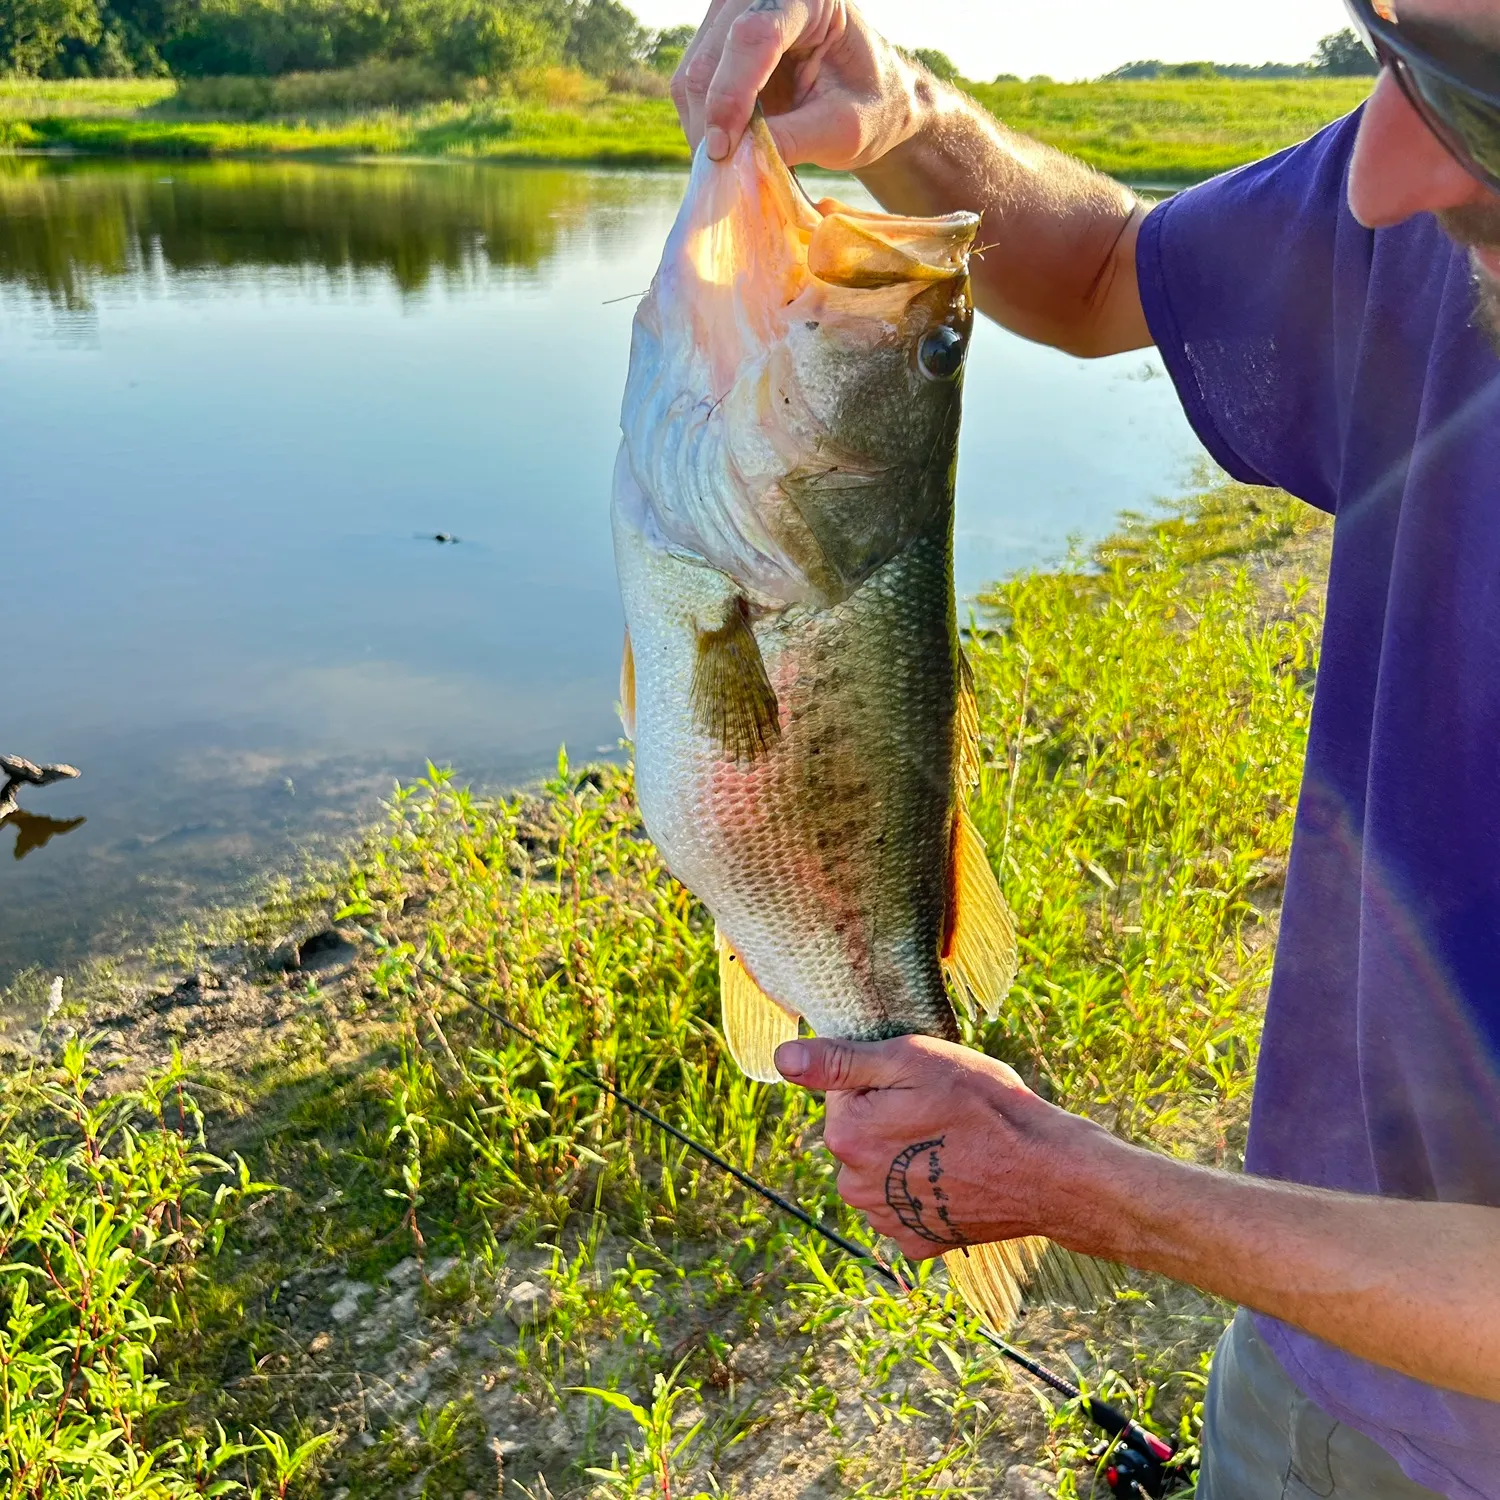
(766,5)
(913,1189)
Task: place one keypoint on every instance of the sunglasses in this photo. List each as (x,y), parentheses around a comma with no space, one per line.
(1451,82)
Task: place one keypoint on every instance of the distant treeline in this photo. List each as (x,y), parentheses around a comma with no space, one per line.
(1340,55)
(266,38)
(452,39)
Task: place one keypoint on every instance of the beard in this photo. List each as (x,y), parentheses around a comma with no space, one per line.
(1473,226)
(1487,296)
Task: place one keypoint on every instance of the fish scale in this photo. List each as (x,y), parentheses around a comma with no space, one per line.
(817,859)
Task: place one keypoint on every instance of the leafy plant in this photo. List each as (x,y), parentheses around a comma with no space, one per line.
(108,1203)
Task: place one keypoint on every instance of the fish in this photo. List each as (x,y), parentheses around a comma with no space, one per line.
(803,719)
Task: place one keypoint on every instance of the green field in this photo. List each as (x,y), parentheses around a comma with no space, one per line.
(1172,132)
(395,1251)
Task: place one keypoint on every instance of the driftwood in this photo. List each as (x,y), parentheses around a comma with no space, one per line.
(19,773)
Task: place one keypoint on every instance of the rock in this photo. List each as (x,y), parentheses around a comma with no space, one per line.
(320,1343)
(347,1296)
(527,1304)
(404,1272)
(439,1270)
(1024,1482)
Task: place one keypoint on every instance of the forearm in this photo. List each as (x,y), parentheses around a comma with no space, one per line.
(1058,260)
(1413,1286)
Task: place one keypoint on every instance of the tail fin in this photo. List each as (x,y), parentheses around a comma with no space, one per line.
(993,1278)
(990,1277)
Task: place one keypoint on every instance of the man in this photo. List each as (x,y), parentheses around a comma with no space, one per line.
(1323,315)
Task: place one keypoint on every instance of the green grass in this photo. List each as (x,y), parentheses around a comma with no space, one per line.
(22,98)
(1167,132)
(1172,132)
(1145,713)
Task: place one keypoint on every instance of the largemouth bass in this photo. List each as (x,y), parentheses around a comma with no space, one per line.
(804,727)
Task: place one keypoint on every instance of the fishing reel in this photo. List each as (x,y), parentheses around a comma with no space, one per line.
(1138,1465)
(1141,1473)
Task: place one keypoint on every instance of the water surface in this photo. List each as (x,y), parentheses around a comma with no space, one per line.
(237,403)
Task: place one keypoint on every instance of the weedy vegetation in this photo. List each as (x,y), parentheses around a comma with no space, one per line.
(1172,131)
(1152,131)
(477,1274)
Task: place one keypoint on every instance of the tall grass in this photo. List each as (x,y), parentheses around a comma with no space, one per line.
(1153,131)
(1145,712)
(1174,131)
(109,1207)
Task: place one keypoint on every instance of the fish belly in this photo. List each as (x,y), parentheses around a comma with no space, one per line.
(824,860)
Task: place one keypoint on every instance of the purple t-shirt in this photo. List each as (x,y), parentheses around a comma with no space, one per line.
(1346,366)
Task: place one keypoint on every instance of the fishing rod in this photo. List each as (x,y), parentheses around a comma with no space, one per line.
(1138,1460)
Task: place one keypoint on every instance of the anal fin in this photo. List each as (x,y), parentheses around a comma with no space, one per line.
(979,949)
(732,698)
(627,688)
(754,1024)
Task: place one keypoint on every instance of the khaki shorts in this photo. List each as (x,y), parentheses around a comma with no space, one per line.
(1264,1440)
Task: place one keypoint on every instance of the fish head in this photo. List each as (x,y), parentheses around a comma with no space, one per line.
(791,413)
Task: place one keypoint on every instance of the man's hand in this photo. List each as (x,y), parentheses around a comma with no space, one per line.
(835,92)
(1059,262)
(941,1145)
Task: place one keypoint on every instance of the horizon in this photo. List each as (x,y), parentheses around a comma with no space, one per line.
(1079,39)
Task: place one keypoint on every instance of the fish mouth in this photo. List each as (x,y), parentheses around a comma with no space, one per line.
(750,241)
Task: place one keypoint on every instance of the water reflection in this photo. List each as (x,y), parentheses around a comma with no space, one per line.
(34,832)
(65,226)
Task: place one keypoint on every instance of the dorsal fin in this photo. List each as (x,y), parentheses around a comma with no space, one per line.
(966,759)
(979,949)
(754,1024)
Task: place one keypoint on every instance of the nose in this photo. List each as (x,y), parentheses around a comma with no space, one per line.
(1400,168)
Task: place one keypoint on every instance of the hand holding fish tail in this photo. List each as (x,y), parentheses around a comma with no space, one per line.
(835,92)
(943,1147)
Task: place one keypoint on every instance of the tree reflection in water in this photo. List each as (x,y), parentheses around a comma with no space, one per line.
(65,226)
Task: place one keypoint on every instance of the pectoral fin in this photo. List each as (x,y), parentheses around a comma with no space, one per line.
(979,951)
(732,698)
(754,1024)
(627,689)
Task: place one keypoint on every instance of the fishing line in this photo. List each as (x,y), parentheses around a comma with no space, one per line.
(1137,1466)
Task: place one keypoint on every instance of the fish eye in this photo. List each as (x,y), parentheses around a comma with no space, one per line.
(940,355)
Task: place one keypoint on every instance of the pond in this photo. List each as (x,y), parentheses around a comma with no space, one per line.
(239,402)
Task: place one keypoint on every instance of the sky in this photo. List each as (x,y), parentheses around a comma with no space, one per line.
(1081,38)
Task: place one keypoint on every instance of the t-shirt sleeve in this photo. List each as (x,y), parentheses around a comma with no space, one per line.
(1254,287)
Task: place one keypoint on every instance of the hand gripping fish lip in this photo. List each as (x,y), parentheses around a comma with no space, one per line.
(741,361)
